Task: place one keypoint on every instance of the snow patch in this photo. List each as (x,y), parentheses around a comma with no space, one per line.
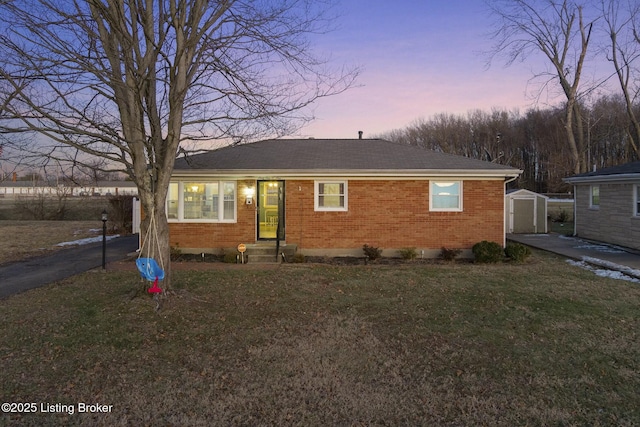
(598,247)
(609,269)
(87,241)
(601,248)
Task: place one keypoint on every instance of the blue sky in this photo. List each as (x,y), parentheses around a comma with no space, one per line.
(418,58)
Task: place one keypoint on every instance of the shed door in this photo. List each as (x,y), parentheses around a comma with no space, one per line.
(524,215)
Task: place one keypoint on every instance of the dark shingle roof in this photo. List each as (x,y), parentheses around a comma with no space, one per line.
(627,168)
(353,155)
(612,172)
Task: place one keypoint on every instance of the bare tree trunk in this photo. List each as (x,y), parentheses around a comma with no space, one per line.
(155,237)
(571,140)
(622,58)
(634,137)
(549,27)
(580,144)
(155,227)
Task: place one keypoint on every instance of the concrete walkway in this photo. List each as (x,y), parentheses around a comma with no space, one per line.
(36,272)
(600,254)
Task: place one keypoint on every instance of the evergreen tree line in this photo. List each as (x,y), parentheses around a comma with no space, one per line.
(533,141)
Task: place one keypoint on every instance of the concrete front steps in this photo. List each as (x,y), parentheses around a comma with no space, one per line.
(265,253)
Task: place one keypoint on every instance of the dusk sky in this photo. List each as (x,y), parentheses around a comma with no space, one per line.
(418,58)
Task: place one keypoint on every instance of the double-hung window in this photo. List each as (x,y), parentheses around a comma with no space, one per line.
(594,196)
(445,196)
(331,195)
(636,202)
(202,201)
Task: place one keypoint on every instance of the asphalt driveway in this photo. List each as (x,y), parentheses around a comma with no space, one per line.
(36,272)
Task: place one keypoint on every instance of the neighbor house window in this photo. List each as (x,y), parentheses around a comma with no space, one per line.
(594,196)
(445,196)
(637,200)
(331,195)
(202,201)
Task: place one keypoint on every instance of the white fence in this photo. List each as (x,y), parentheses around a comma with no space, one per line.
(136,214)
(13,189)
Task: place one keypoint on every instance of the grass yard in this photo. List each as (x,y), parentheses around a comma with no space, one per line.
(25,239)
(541,343)
(564,228)
(75,208)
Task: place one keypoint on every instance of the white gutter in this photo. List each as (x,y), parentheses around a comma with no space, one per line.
(513,178)
(512,174)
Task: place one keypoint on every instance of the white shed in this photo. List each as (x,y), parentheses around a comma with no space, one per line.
(525,212)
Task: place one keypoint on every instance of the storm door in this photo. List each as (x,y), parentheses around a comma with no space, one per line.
(270,210)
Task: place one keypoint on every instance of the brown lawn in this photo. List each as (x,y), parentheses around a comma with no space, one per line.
(539,343)
(25,239)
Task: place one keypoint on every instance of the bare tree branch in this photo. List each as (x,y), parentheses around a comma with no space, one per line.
(131,80)
(624,51)
(555,28)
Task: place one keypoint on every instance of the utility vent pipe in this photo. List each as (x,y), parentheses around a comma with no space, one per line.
(360,134)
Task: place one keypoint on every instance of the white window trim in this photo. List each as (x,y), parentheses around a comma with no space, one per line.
(591,205)
(316,197)
(431,194)
(220,203)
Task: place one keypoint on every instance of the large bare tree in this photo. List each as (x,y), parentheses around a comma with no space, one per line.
(622,22)
(136,81)
(557,29)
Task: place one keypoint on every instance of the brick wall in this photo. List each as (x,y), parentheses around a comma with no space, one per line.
(210,237)
(395,214)
(386,214)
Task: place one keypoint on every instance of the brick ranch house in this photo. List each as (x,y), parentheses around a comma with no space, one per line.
(329,197)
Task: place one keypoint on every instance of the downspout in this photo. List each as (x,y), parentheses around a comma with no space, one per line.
(507,182)
(575,210)
(278,239)
(504,211)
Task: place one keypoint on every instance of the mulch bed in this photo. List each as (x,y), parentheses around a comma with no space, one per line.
(130,265)
(211,262)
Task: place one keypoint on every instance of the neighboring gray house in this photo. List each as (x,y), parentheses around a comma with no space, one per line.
(607,205)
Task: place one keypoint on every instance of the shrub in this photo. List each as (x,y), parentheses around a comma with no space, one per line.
(230,258)
(563,216)
(487,252)
(41,206)
(449,254)
(121,213)
(175,253)
(372,252)
(408,253)
(298,258)
(517,252)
